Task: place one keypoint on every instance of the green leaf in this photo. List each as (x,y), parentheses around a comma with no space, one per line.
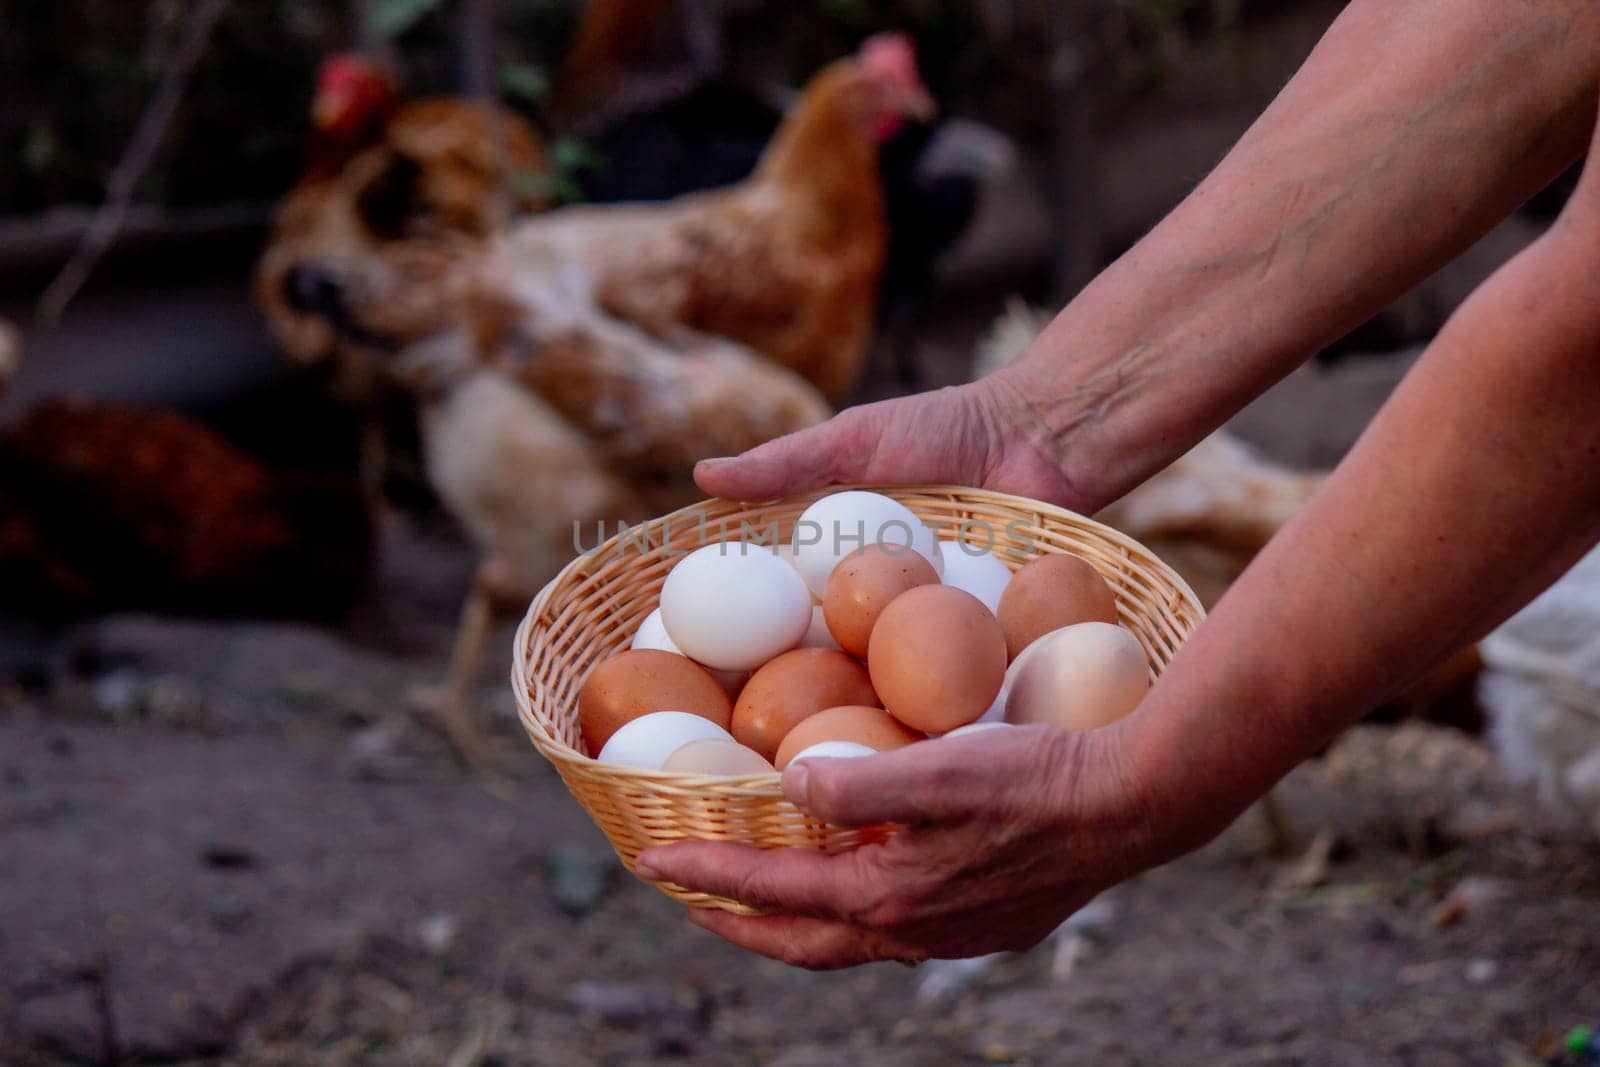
(1578,1039)
(393,17)
(524,81)
(557,188)
(569,155)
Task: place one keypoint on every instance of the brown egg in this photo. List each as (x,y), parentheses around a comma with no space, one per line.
(791,687)
(873,727)
(639,681)
(1051,592)
(862,585)
(937,658)
(711,756)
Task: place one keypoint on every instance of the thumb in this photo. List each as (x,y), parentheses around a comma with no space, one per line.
(816,456)
(940,780)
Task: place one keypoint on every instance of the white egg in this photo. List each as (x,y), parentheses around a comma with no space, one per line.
(977,572)
(1079,677)
(647,741)
(817,634)
(652,634)
(784,550)
(733,606)
(833,750)
(837,525)
(976,728)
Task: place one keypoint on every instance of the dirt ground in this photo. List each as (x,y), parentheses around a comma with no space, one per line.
(230,842)
(233,842)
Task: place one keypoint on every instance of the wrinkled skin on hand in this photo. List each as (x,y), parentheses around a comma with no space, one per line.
(983,434)
(1008,832)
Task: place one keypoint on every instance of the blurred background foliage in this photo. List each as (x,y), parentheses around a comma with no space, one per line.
(80,72)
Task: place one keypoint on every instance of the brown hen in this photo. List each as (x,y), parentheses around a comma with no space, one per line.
(576,367)
(785,263)
(438,173)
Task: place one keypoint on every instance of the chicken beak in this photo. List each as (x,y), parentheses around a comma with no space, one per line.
(917,103)
(326,110)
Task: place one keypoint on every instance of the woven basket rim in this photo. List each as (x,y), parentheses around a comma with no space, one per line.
(766,783)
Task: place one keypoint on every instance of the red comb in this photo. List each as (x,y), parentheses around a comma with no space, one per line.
(890,55)
(350,68)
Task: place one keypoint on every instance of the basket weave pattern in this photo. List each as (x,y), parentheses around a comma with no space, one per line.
(591,609)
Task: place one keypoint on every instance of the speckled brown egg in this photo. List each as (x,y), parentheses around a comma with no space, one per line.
(639,681)
(936,658)
(1051,592)
(862,585)
(873,727)
(792,687)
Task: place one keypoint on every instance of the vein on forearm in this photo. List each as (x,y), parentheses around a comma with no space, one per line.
(1338,200)
(1476,485)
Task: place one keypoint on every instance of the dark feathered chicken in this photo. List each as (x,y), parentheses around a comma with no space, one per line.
(104,506)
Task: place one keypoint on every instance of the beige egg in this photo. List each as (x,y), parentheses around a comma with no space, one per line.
(712,756)
(1051,592)
(1080,677)
(872,727)
(793,686)
(640,681)
(937,658)
(863,584)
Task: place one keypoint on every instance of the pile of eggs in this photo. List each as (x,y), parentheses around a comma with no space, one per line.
(865,633)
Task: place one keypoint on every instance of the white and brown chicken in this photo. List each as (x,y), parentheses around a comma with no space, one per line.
(574,365)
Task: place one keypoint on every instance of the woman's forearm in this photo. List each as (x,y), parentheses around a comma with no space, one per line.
(1410,132)
(1478,483)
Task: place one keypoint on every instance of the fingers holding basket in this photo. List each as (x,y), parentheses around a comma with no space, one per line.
(926,784)
(816,944)
(794,881)
(1004,833)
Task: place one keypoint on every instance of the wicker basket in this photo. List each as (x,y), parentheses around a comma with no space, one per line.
(591,609)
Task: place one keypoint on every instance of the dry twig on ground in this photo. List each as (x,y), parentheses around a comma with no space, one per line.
(107,221)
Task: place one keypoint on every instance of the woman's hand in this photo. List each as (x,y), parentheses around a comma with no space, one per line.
(984,434)
(1008,832)
(1287,245)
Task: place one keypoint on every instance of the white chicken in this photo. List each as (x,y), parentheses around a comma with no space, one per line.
(1542,692)
(586,424)
(1210,512)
